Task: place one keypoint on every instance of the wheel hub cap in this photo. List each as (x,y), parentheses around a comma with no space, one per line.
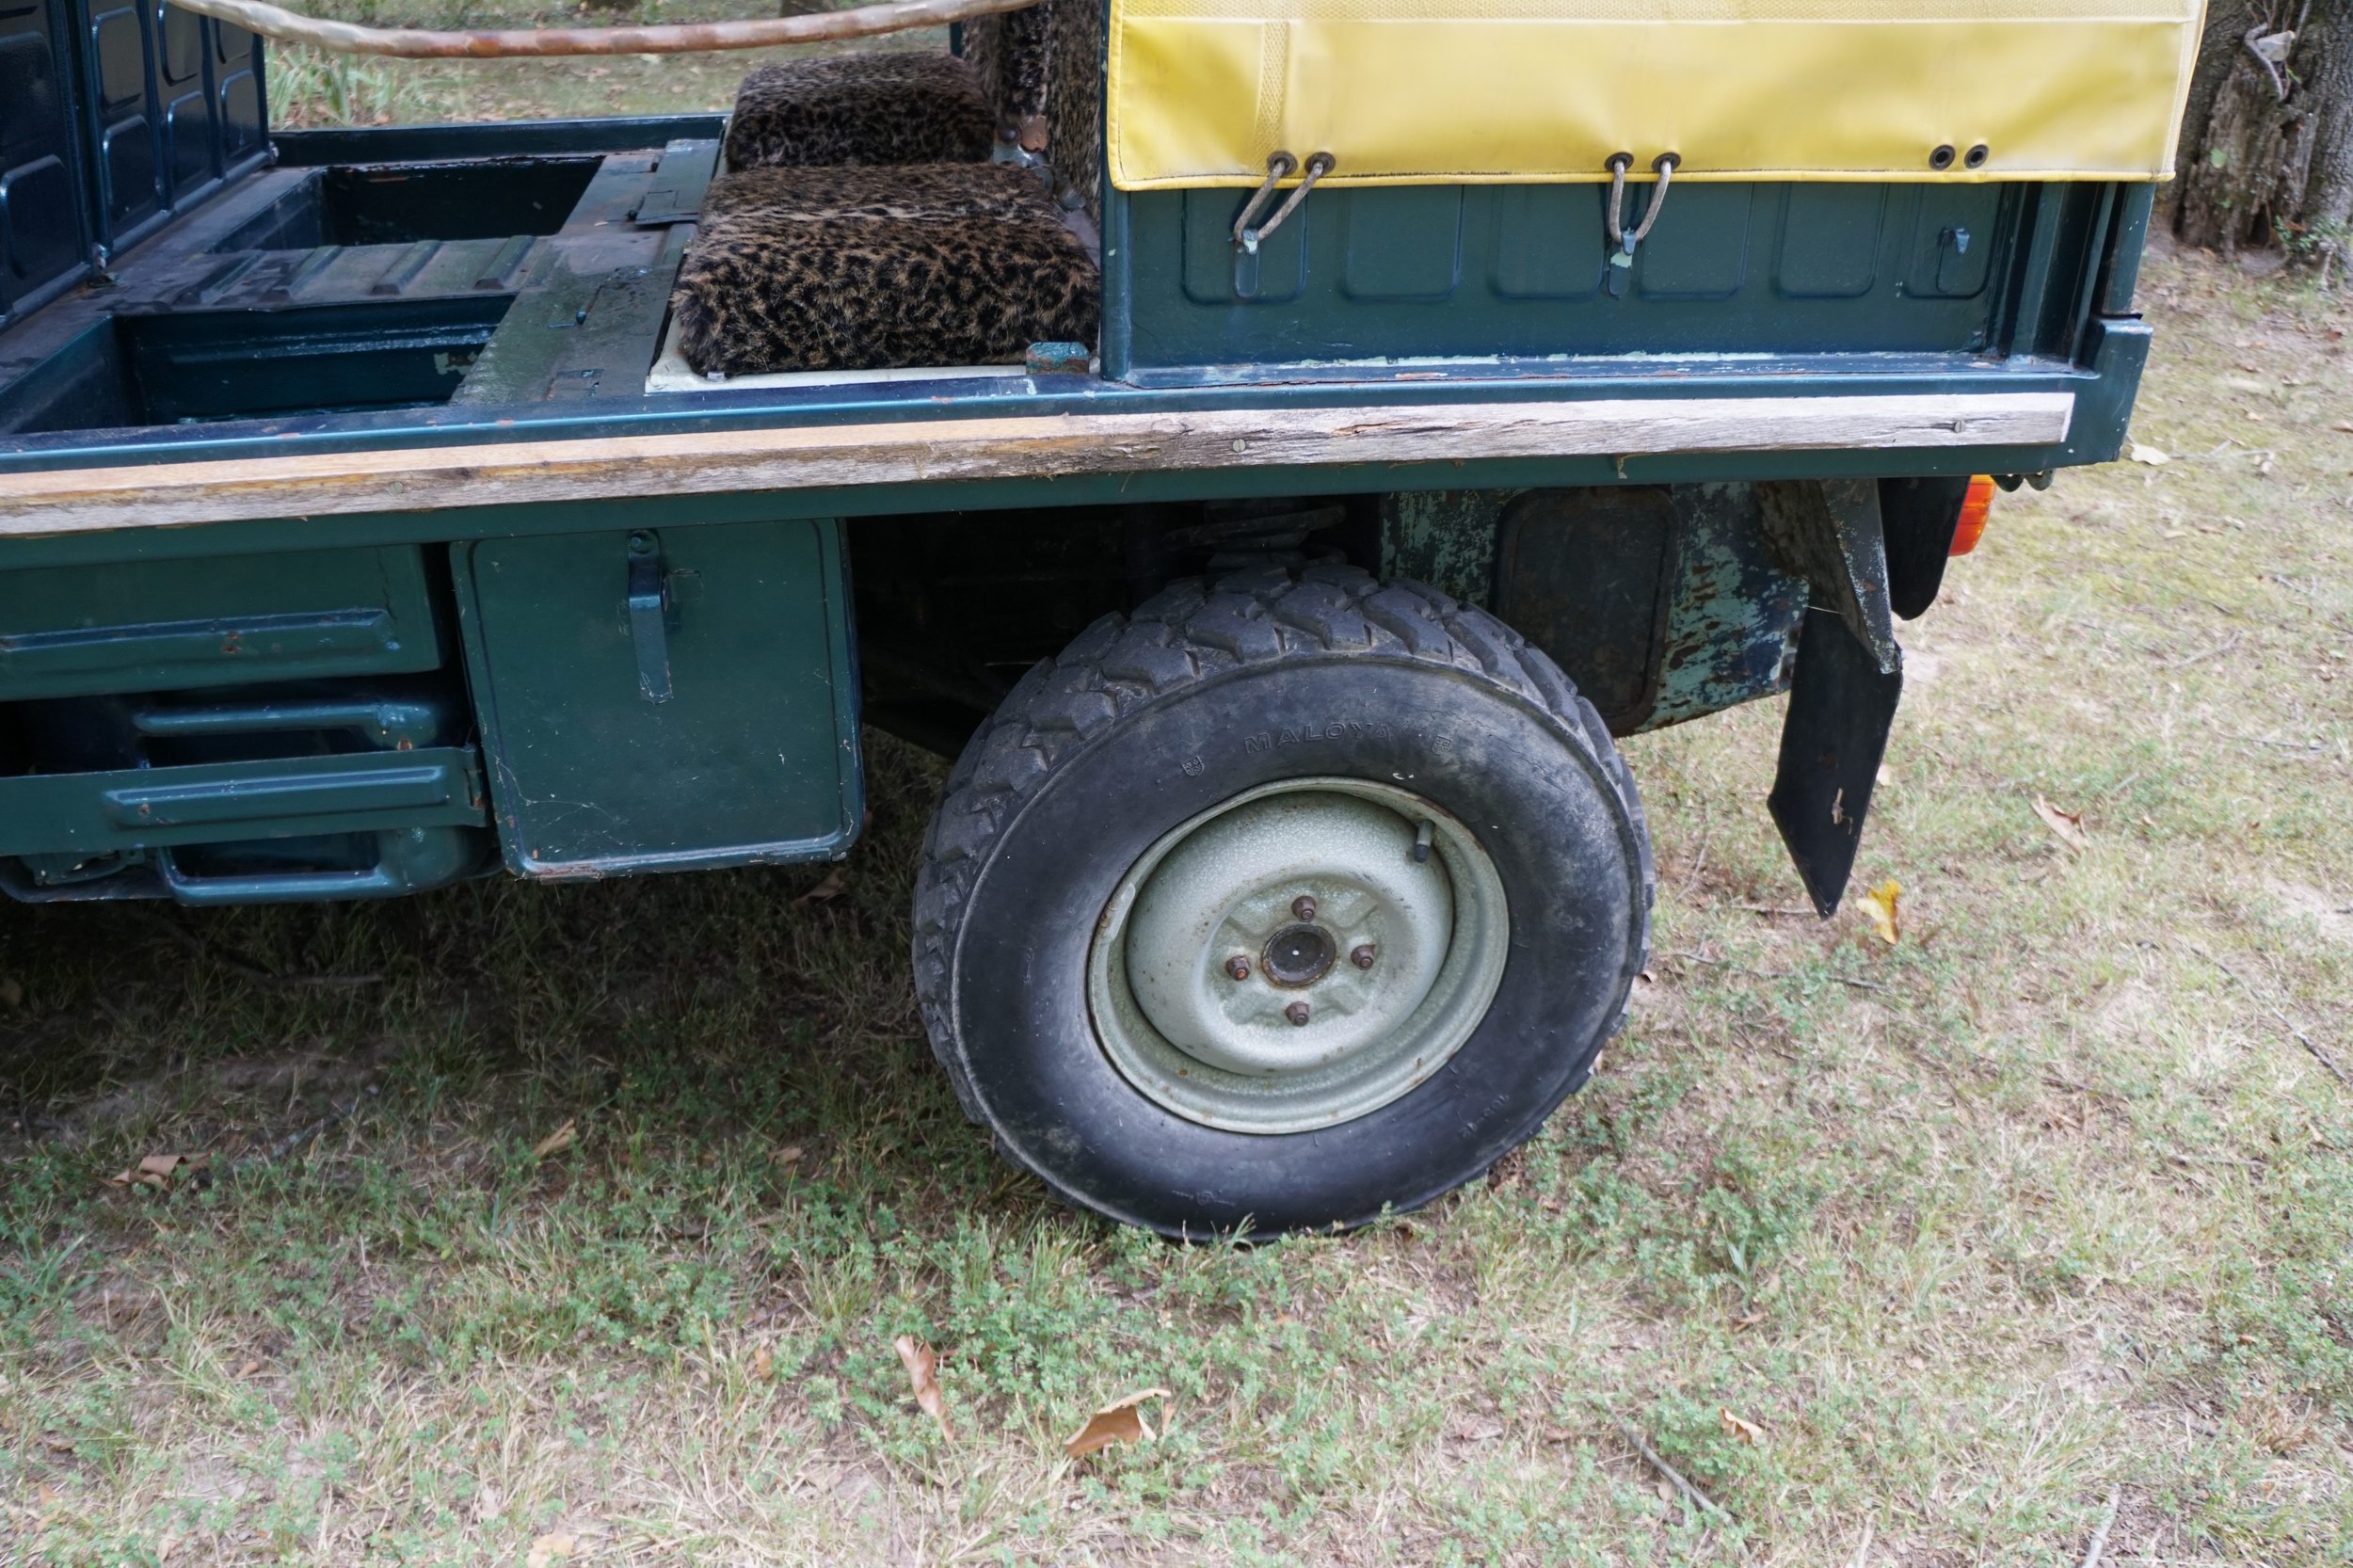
(1286,962)
(1299,955)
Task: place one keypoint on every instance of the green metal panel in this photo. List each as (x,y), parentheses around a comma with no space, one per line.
(665,699)
(1656,630)
(175,367)
(151,626)
(1731,613)
(1521,272)
(92,813)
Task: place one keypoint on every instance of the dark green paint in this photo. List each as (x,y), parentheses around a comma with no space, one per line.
(1731,613)
(97,813)
(402,203)
(1446,538)
(166,625)
(694,701)
(201,366)
(751,756)
(1518,271)
(1667,631)
(510,139)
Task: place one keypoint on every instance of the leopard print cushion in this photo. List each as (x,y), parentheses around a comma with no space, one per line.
(1074,100)
(1007,52)
(870,109)
(907,190)
(843,269)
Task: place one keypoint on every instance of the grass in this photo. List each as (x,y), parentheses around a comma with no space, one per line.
(2054,1205)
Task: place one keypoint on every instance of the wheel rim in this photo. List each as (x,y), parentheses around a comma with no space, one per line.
(1285,962)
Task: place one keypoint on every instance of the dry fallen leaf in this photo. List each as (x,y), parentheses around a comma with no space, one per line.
(1748,1431)
(2153,457)
(553,1547)
(1880,903)
(2067,826)
(835,881)
(923,1365)
(1119,1422)
(157,1170)
(557,1141)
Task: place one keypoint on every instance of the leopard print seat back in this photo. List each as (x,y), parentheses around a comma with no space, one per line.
(864,108)
(1074,100)
(1007,52)
(873,269)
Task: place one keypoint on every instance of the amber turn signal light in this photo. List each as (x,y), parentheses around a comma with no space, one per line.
(1969,527)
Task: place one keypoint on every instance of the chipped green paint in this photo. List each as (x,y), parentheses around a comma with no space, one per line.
(1446,538)
(1732,616)
(1732,613)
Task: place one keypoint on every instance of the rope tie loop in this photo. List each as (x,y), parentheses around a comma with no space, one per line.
(1279,166)
(1664,166)
(1619,275)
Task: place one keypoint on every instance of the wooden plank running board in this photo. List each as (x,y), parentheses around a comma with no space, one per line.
(429,478)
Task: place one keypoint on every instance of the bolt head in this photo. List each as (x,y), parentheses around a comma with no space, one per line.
(1302,908)
(1238,967)
(1362,957)
(1297,1014)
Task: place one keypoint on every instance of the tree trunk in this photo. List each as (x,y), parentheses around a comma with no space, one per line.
(2325,62)
(2267,149)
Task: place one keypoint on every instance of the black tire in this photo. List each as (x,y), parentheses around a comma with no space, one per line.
(1209,690)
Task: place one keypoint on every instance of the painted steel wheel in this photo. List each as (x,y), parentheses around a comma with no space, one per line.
(1290,899)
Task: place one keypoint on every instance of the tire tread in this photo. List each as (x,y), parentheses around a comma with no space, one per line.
(1189,632)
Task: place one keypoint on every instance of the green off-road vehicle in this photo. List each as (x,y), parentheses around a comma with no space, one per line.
(1275,446)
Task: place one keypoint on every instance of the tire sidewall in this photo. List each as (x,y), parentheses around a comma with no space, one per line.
(1548,812)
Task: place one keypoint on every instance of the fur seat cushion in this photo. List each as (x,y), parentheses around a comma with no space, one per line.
(874,269)
(874,109)
(1007,52)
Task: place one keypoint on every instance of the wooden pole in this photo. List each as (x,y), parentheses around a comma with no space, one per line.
(684,38)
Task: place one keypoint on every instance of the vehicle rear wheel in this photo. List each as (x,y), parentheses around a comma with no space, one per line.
(1290,898)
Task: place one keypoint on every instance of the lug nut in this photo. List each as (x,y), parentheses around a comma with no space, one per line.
(1362,957)
(1297,1013)
(1238,967)
(1302,908)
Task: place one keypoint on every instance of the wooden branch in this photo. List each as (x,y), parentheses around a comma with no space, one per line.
(2266,1003)
(1693,1499)
(2107,1523)
(684,38)
(1037,446)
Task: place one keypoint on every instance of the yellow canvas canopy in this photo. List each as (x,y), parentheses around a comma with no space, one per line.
(1443,92)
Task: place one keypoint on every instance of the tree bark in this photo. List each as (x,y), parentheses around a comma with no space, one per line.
(2227,22)
(2266,149)
(2323,60)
